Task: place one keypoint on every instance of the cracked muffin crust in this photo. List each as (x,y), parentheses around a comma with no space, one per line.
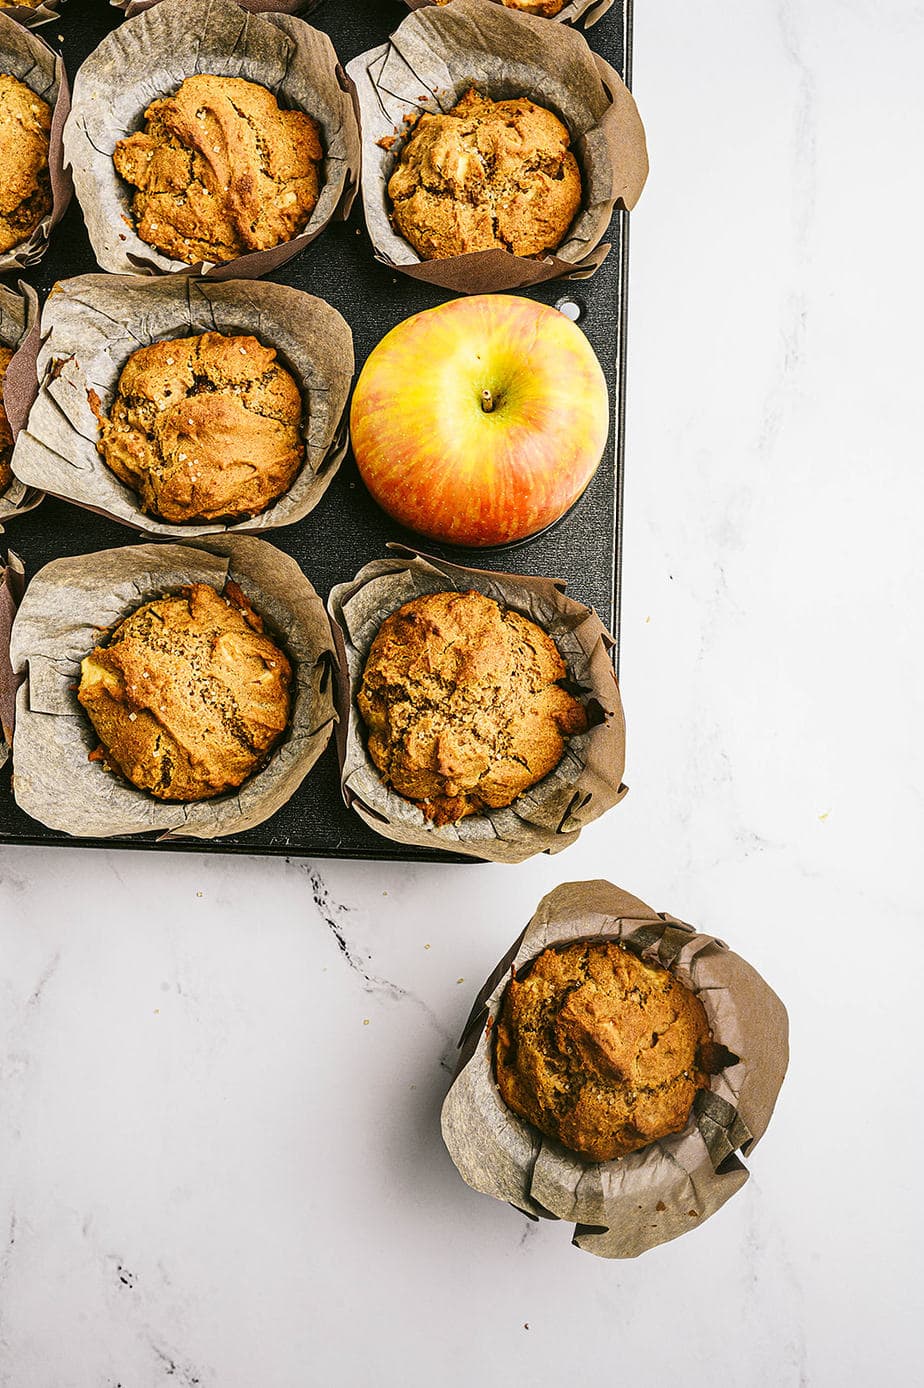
(600,1049)
(204,428)
(6,433)
(464,705)
(188,696)
(488,174)
(220,170)
(25,188)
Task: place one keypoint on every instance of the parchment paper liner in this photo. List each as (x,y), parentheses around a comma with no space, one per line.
(582,12)
(432,58)
(59,620)
(148,57)
(91,325)
(586,782)
(621,1208)
(11,586)
(27,57)
(33,17)
(133,7)
(18,314)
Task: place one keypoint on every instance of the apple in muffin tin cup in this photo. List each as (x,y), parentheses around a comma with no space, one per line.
(667,1186)
(146,102)
(67,772)
(185,407)
(582,12)
(426,109)
(520,741)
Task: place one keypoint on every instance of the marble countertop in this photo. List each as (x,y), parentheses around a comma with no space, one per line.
(220,1078)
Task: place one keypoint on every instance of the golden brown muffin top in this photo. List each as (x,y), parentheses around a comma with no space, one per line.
(6,433)
(189,695)
(25,185)
(546,8)
(220,170)
(204,428)
(600,1049)
(464,705)
(488,174)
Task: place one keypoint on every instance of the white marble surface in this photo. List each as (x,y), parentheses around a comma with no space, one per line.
(220,1079)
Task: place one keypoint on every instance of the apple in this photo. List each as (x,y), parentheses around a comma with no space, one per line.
(482,421)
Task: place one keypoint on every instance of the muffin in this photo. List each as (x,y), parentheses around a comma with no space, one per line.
(600,1049)
(6,433)
(188,695)
(464,704)
(486,175)
(546,8)
(220,170)
(25,189)
(204,428)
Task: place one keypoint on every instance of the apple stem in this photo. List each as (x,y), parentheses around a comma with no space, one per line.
(487,401)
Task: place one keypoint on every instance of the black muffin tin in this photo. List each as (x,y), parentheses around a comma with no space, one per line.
(347,529)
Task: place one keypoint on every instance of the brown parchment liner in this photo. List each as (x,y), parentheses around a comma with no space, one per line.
(133,7)
(148,57)
(65,607)
(91,325)
(18,314)
(550,816)
(33,16)
(432,58)
(27,57)
(12,582)
(623,1207)
(582,12)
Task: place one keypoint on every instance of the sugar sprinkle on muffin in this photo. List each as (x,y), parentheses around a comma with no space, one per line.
(25,187)
(464,704)
(600,1049)
(189,695)
(204,428)
(485,175)
(221,170)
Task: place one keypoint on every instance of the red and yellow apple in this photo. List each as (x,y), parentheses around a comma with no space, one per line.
(482,421)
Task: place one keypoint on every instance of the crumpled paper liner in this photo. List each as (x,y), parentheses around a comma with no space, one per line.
(550,816)
(18,314)
(582,12)
(148,57)
(27,57)
(91,325)
(12,581)
(431,60)
(33,16)
(623,1207)
(133,7)
(66,606)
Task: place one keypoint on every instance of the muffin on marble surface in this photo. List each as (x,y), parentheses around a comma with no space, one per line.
(204,428)
(221,170)
(600,1049)
(485,175)
(6,433)
(464,704)
(189,695)
(25,187)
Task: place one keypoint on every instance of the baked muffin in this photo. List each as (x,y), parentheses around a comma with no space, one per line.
(188,695)
(488,174)
(464,704)
(6,433)
(600,1049)
(25,188)
(204,428)
(547,8)
(220,170)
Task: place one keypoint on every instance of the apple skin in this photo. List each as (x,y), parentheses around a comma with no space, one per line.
(442,465)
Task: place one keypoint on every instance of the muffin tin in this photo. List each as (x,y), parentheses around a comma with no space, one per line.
(347,530)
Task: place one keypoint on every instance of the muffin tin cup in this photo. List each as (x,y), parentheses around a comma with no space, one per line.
(582,12)
(18,317)
(133,7)
(92,324)
(66,607)
(149,57)
(11,586)
(544,819)
(431,60)
(33,16)
(622,1208)
(28,58)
